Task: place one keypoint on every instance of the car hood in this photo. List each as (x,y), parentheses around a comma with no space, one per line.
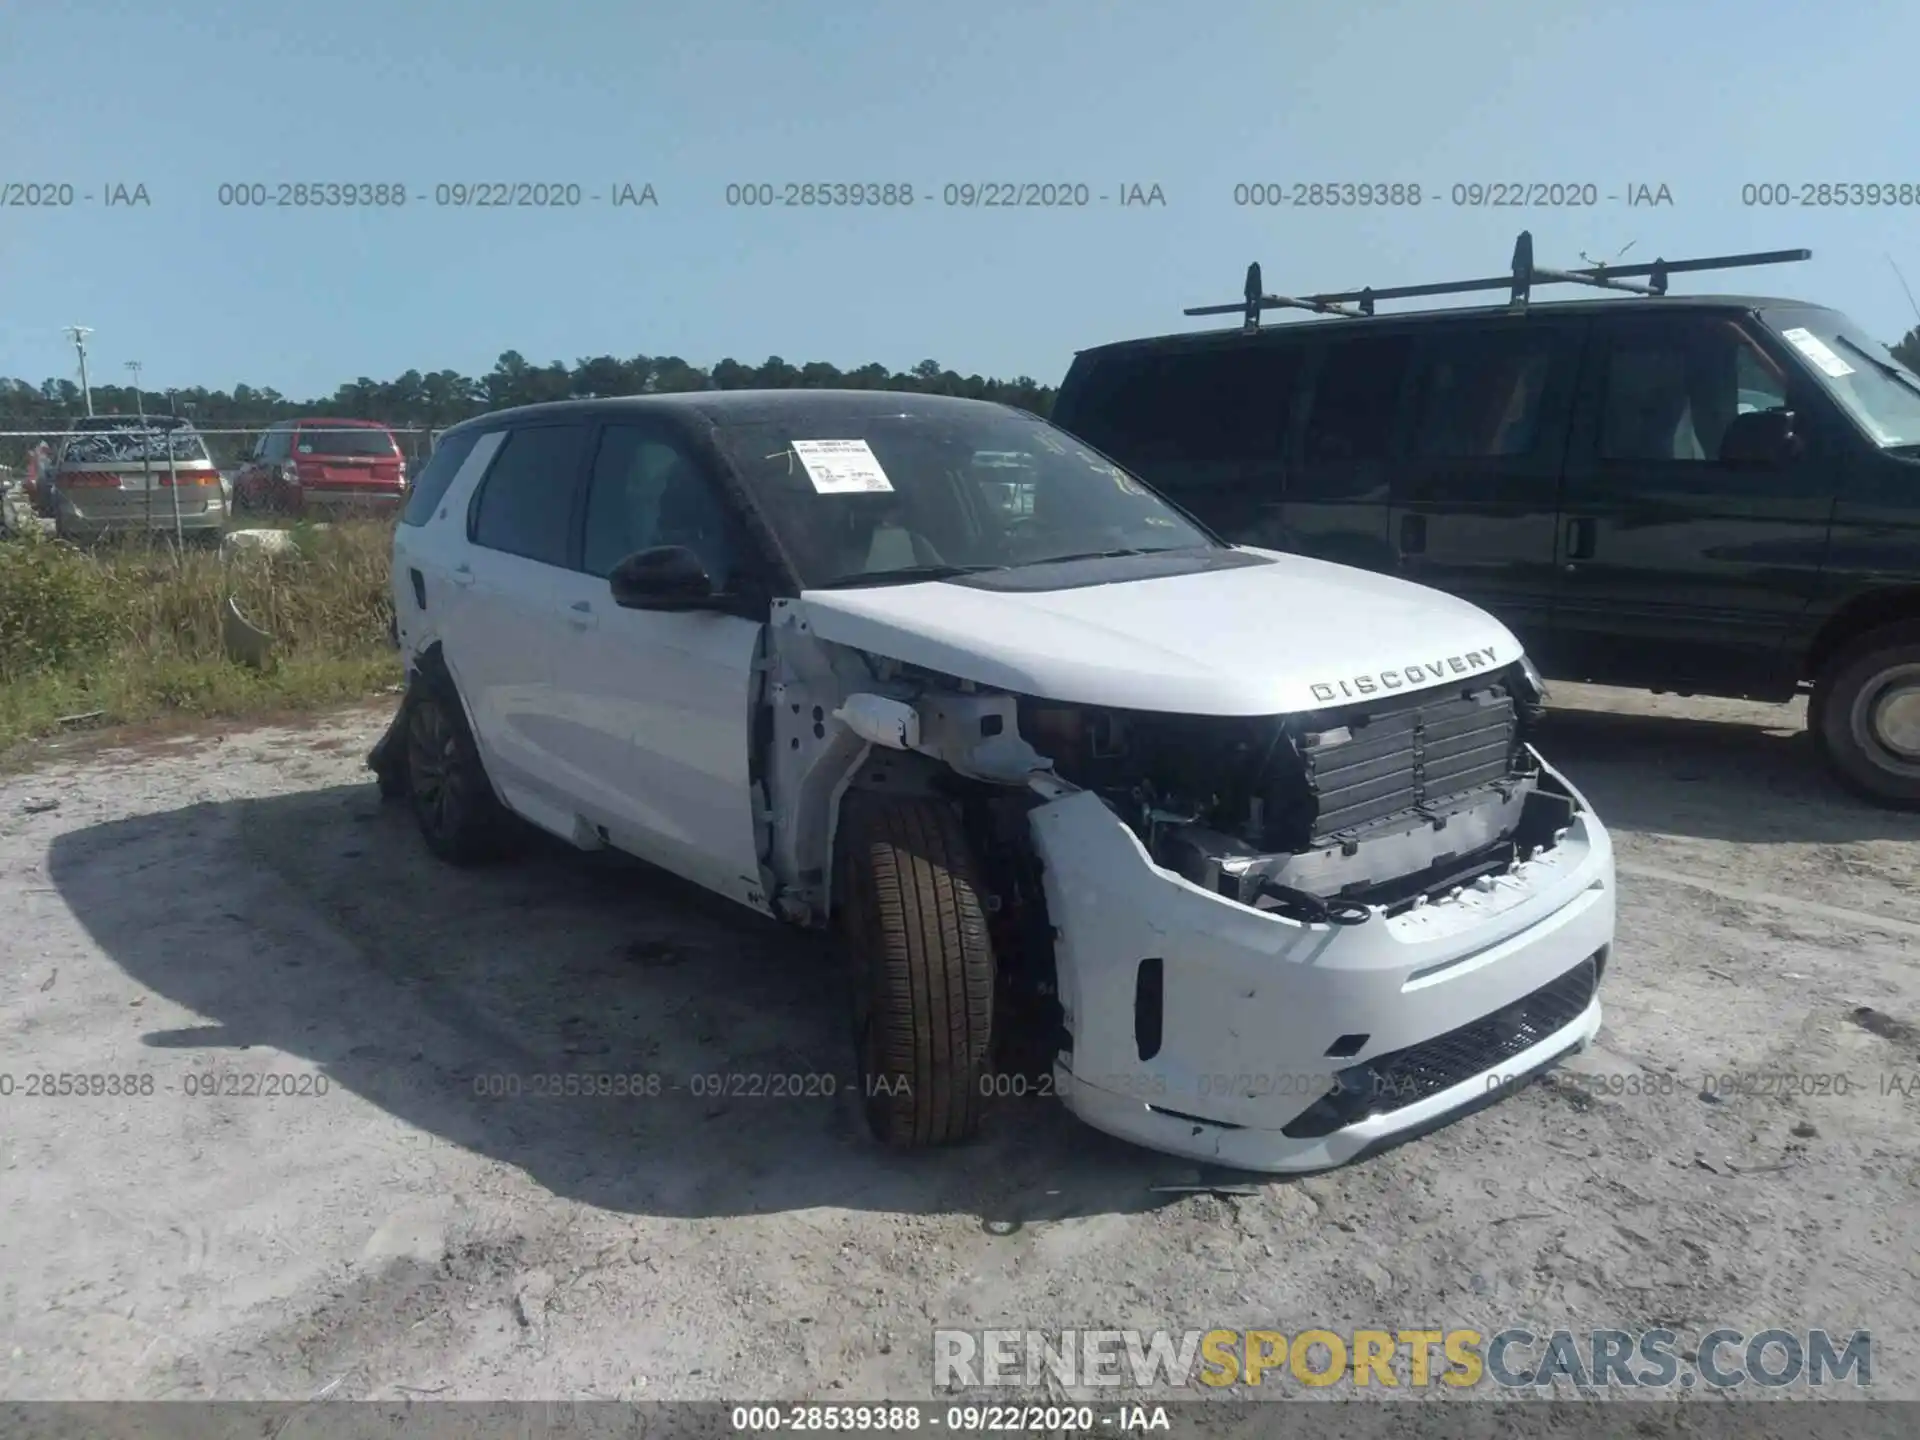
(1292,636)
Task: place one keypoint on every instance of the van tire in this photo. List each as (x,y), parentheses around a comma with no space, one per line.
(452,799)
(921,965)
(1848,716)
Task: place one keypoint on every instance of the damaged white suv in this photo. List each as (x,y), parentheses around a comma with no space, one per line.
(1251,851)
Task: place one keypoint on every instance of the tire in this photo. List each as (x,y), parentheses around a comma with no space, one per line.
(1865,713)
(447,787)
(921,966)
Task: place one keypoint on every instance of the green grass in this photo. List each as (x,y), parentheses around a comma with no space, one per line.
(133,631)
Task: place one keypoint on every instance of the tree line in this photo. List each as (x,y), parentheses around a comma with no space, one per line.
(435,400)
(1908,350)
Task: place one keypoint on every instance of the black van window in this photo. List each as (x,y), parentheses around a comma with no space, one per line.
(1354,399)
(1674,385)
(1480,394)
(1225,405)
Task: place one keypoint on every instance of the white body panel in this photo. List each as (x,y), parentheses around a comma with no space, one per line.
(637,729)
(654,733)
(1252,1002)
(1252,641)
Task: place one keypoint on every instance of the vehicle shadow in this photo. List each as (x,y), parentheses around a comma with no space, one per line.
(1738,780)
(491,1007)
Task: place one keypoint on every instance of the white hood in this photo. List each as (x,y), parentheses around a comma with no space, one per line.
(1258,640)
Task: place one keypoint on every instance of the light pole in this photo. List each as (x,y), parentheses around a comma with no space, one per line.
(173,470)
(79,334)
(146,450)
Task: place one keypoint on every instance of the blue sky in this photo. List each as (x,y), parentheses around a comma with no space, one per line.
(1702,97)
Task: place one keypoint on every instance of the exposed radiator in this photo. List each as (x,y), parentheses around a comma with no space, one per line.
(1366,764)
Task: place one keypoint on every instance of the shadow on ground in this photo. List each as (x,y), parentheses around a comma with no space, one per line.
(1711,779)
(489,1007)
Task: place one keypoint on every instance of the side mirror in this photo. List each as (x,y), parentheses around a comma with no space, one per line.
(666,577)
(1761,437)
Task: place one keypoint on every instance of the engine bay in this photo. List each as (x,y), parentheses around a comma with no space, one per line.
(1325,814)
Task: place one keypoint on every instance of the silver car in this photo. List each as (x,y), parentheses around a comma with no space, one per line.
(123,474)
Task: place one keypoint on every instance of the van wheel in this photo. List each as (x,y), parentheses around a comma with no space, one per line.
(453,801)
(922,968)
(1866,714)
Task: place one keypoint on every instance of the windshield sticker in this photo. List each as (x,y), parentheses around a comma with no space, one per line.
(1816,350)
(1126,484)
(843,467)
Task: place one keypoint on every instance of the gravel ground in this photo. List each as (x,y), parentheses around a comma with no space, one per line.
(208,911)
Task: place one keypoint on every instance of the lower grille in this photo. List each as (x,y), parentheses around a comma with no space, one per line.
(1405,1077)
(1371,763)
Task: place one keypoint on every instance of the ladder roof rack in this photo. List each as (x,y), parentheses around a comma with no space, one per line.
(1519,283)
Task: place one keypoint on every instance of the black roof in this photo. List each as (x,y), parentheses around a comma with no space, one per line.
(742,407)
(1455,314)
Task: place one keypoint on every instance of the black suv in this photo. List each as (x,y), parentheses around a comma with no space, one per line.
(1714,495)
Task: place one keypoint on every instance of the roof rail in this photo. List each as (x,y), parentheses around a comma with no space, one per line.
(1519,283)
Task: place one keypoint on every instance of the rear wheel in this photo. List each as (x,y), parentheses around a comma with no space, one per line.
(922,967)
(1866,714)
(453,801)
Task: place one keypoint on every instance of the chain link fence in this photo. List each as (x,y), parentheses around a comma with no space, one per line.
(26,500)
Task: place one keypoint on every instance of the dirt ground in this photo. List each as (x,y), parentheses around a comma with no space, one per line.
(202,911)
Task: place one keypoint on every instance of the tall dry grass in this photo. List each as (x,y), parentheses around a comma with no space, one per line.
(133,631)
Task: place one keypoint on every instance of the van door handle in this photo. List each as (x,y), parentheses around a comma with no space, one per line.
(1413,535)
(1579,540)
(463,574)
(580,615)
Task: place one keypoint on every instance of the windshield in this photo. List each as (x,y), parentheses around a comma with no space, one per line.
(858,500)
(120,440)
(1877,390)
(344,440)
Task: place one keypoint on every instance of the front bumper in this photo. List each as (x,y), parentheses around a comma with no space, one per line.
(1269,1044)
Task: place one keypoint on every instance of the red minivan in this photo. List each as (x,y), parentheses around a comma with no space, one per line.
(307,466)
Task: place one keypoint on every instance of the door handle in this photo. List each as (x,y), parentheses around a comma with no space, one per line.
(1579,544)
(463,574)
(1413,535)
(580,615)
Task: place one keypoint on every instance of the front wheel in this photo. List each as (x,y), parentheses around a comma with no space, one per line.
(1866,715)
(922,968)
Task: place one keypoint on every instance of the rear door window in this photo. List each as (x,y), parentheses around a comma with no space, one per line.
(437,475)
(1223,406)
(1483,393)
(1355,399)
(524,505)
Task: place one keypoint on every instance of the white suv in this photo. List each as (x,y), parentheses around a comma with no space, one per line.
(1256,846)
